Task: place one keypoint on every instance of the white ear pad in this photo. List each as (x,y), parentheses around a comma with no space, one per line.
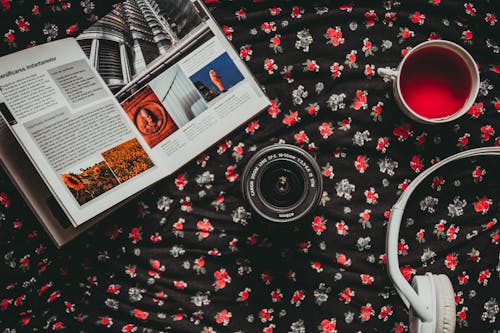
(445,305)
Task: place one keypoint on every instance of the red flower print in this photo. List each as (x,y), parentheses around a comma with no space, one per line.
(360,101)
(241,14)
(385,312)
(59,325)
(222,278)
(342,228)
(22,24)
(297,297)
(451,233)
(9,37)
(275,44)
(417,18)
(336,70)
(389,18)
(181,181)
(366,312)
(416,163)
(328,171)
(487,132)
(463,278)
(105,321)
(346,295)
(451,261)
(404,34)
(297,12)
(265,315)
(351,59)
(334,36)
(400,327)
(483,277)
(368,47)
(491,19)
(328,326)
(4,199)
(371,18)
(135,235)
(403,248)
(310,66)
(113,289)
(369,71)
(463,141)
(276,295)
(72,30)
(4,303)
(469,9)
(364,218)
(246,52)
(231,174)
(371,196)
(180,285)
(268,27)
(407,272)
(343,260)
(274,109)
(228,32)
(361,163)
(275,11)
(326,130)
(476,110)
(319,225)
(382,144)
(223,317)
(483,205)
(139,314)
(270,66)
(366,279)
(243,295)
(6,4)
(252,127)
(291,119)
(129,328)
(312,109)
(467,36)
(204,228)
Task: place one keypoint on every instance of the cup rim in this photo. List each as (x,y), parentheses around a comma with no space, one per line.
(460,51)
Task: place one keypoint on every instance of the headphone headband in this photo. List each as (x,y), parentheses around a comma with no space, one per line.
(405,291)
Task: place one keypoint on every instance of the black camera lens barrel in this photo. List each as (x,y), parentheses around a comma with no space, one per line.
(282,183)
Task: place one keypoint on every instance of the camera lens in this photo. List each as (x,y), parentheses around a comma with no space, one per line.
(282,183)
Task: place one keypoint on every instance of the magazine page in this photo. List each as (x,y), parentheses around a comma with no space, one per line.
(73,130)
(180,82)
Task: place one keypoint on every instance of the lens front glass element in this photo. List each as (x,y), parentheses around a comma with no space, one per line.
(282,184)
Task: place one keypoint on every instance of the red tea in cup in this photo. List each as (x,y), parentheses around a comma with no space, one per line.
(436,82)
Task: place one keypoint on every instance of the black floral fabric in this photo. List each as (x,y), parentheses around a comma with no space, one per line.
(189,255)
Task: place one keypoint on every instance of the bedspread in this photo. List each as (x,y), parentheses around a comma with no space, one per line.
(189,256)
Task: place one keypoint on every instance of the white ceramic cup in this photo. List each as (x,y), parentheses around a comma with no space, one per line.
(395,76)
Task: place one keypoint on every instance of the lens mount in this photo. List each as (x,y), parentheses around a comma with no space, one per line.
(282,183)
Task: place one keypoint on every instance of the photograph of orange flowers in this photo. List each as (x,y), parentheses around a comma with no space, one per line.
(90,182)
(127,160)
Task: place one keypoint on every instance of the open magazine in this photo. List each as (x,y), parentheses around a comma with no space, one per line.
(90,122)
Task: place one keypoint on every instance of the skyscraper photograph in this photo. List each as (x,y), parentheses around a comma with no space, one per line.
(123,43)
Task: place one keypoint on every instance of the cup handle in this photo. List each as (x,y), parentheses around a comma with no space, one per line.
(388,73)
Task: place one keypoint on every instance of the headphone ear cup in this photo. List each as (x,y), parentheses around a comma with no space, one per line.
(445,304)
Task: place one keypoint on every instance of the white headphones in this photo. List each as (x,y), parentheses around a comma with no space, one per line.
(431,298)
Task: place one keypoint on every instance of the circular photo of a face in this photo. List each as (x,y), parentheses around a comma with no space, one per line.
(150,118)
